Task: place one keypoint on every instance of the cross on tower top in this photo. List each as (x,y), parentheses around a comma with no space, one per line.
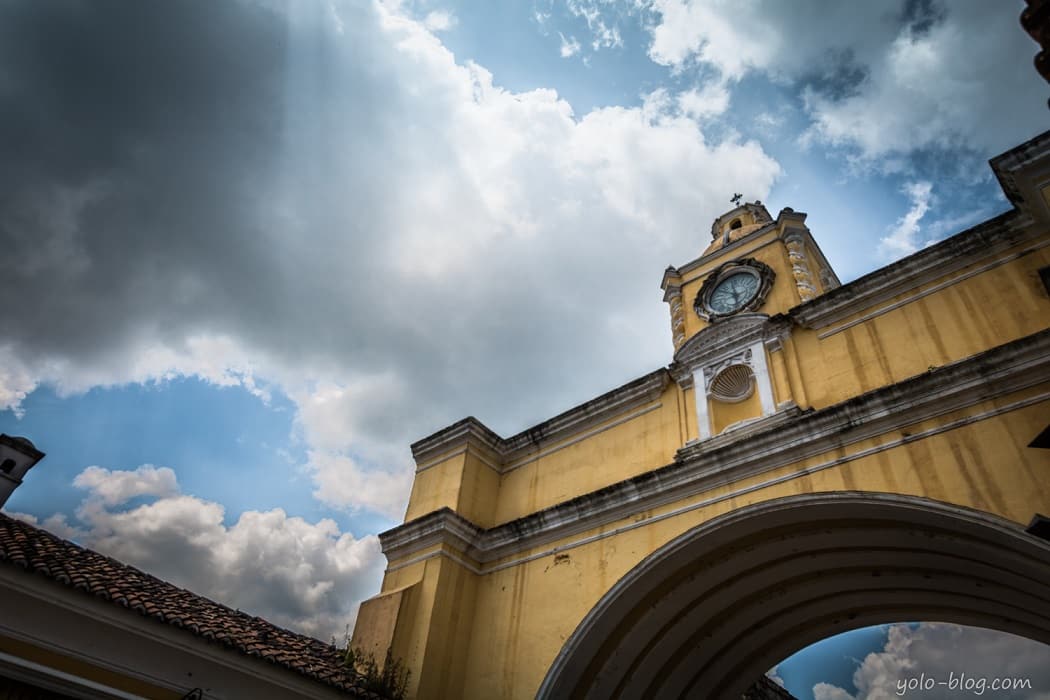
(735,199)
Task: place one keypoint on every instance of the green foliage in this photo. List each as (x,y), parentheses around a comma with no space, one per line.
(390,682)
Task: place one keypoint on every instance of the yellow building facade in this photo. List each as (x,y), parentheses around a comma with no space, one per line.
(816,457)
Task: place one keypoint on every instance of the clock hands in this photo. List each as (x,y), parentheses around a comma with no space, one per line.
(733,293)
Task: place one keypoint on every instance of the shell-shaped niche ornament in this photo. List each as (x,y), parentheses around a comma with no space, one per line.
(734,383)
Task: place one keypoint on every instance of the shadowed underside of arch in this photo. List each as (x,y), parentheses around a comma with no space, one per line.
(711,611)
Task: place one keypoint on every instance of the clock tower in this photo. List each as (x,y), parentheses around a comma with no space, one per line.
(726,316)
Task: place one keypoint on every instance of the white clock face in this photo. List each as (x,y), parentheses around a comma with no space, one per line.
(733,293)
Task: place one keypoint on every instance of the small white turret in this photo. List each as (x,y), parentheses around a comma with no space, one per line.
(17,456)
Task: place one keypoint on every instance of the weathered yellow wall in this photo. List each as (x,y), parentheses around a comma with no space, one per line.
(725,414)
(452,616)
(524,614)
(480,490)
(377,628)
(616,453)
(436,487)
(986,310)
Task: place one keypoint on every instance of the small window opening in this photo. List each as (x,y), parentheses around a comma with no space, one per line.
(737,223)
(7,466)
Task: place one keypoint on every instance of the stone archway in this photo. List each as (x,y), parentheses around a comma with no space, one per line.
(712,610)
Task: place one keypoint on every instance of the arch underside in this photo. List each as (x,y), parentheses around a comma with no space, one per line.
(710,612)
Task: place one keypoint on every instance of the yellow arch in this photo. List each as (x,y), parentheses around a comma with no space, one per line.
(711,611)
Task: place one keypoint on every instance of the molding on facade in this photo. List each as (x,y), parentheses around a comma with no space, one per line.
(673,296)
(472,434)
(641,391)
(577,437)
(706,502)
(733,246)
(441,527)
(725,338)
(794,241)
(932,290)
(924,267)
(1010,169)
(1022,173)
(467,432)
(781,439)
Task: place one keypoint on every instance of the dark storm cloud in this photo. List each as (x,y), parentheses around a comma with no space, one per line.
(167,172)
(920,16)
(838,76)
(134,137)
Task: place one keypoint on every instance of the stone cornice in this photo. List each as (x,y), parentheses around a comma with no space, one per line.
(729,458)
(723,337)
(472,432)
(469,431)
(733,246)
(1007,166)
(928,265)
(670,274)
(440,527)
(1022,172)
(643,390)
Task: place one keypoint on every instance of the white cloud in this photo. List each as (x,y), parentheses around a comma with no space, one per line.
(306,576)
(956,85)
(904,238)
(569,46)
(115,488)
(884,78)
(342,483)
(603,35)
(826,691)
(440,21)
(344,421)
(941,652)
(714,33)
(710,101)
(16,381)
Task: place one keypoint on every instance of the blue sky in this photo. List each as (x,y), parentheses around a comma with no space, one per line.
(264,247)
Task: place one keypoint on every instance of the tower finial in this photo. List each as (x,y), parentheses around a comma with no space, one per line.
(735,199)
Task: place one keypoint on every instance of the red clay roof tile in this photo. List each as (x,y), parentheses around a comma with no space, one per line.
(38,551)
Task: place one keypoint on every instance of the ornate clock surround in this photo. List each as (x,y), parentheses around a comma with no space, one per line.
(763,272)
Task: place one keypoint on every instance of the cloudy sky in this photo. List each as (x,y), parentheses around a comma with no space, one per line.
(256,248)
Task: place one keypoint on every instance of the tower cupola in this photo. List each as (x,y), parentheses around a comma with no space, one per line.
(737,223)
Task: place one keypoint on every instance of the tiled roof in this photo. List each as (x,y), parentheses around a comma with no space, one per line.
(38,551)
